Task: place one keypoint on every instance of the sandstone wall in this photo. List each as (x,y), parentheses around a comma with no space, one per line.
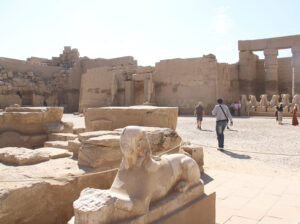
(101,77)
(228,83)
(24,66)
(284,76)
(101,62)
(95,88)
(184,82)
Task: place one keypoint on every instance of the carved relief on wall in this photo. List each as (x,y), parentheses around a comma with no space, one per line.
(271,57)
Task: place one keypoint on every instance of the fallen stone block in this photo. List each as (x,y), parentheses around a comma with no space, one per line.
(74,146)
(110,118)
(24,156)
(99,156)
(16,139)
(87,135)
(104,140)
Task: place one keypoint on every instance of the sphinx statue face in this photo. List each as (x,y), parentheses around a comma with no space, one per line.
(133,143)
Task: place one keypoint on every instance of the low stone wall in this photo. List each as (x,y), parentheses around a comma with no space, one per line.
(110,118)
(27,126)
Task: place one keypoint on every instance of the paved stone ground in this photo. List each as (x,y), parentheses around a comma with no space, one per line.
(251,188)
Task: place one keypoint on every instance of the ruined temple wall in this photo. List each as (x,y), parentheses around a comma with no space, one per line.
(97,81)
(184,82)
(227,83)
(24,66)
(284,76)
(95,90)
(100,62)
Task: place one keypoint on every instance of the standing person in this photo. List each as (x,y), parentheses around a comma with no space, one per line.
(199,112)
(223,115)
(295,120)
(239,108)
(279,113)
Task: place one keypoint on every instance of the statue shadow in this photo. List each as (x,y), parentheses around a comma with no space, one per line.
(206,178)
(236,155)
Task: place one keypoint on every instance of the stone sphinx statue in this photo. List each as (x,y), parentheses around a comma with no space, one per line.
(264,100)
(296,99)
(141,180)
(253,102)
(285,100)
(274,101)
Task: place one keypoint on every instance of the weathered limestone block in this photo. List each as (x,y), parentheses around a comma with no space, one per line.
(9,99)
(45,200)
(162,139)
(29,120)
(86,135)
(59,127)
(109,118)
(74,146)
(196,152)
(99,156)
(104,140)
(126,199)
(24,156)
(12,138)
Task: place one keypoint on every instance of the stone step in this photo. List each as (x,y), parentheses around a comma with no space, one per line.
(61,136)
(57,144)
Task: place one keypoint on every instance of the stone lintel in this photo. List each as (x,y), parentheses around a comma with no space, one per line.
(261,44)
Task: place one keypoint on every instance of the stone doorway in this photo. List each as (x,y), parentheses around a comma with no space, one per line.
(138,92)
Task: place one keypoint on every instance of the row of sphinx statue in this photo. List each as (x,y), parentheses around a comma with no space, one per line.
(283,99)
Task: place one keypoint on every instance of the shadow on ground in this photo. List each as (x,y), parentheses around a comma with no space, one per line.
(235,155)
(206,179)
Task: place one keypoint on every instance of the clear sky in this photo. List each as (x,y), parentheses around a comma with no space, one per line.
(148,30)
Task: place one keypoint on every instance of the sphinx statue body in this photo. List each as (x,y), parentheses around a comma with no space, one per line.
(141,180)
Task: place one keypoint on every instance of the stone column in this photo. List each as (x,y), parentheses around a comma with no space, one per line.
(148,90)
(271,71)
(296,69)
(247,72)
(129,93)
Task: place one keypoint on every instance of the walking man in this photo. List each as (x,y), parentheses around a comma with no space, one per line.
(223,115)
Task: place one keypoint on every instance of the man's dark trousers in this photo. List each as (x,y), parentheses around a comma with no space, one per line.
(220,127)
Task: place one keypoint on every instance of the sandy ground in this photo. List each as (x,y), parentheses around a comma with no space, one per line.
(248,135)
(254,145)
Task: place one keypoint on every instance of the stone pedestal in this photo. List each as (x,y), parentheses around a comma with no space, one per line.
(192,207)
(271,71)
(296,69)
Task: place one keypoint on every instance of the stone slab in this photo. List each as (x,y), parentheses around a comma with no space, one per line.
(29,120)
(109,118)
(24,156)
